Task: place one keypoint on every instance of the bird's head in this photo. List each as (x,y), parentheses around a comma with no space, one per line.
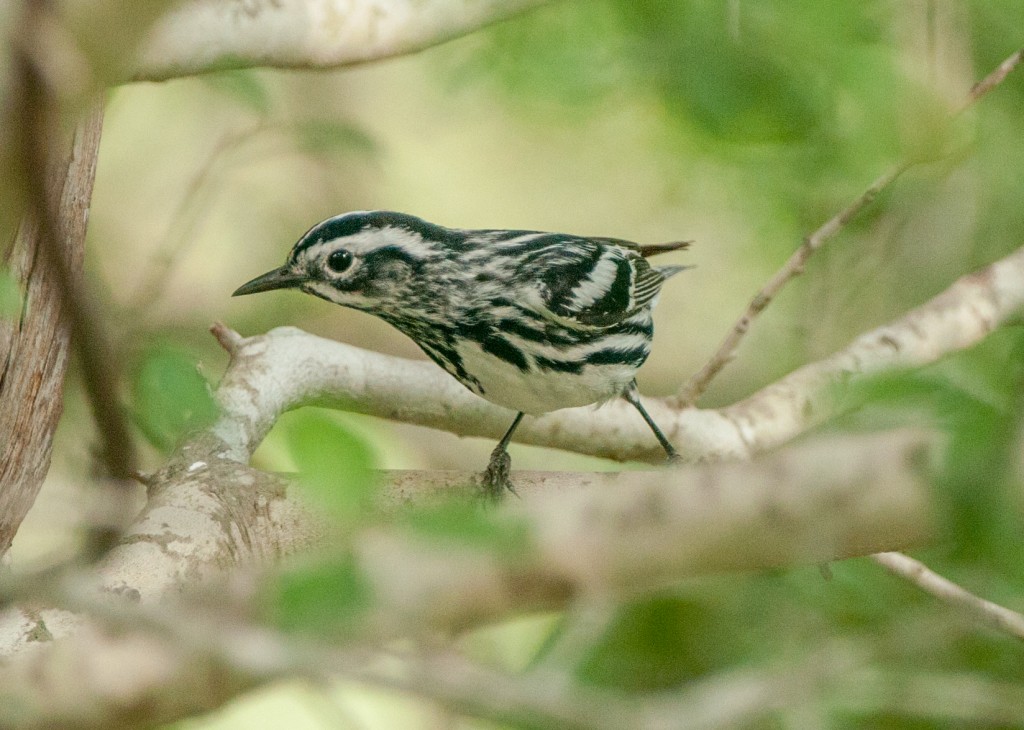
(364,260)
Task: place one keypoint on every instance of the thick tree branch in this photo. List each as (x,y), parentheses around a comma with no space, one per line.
(37,124)
(206,35)
(118,678)
(591,535)
(34,346)
(622,534)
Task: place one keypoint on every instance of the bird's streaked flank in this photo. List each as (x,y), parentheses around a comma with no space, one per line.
(530,321)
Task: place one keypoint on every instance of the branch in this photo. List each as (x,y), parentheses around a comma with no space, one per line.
(149,667)
(208,35)
(46,259)
(286,368)
(592,535)
(991,614)
(37,123)
(622,534)
(794,266)
(992,80)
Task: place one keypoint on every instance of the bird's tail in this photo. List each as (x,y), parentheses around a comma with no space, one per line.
(667,271)
(654,249)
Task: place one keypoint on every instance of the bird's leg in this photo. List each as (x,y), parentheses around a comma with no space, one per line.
(495,479)
(633,397)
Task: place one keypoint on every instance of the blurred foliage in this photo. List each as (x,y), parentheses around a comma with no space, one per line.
(661,642)
(800,93)
(316,136)
(327,136)
(336,470)
(976,399)
(336,465)
(170,397)
(319,599)
(245,87)
(465,524)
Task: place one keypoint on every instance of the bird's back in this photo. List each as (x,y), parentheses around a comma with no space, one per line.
(542,321)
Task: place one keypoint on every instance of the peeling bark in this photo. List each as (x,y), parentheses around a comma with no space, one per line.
(35,346)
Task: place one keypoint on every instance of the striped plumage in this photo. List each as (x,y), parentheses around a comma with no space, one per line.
(528,320)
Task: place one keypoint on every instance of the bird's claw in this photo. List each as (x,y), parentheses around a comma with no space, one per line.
(495,479)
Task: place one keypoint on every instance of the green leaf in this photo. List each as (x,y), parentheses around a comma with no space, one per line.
(170,396)
(470,525)
(243,86)
(329,136)
(336,465)
(320,598)
(659,642)
(10,295)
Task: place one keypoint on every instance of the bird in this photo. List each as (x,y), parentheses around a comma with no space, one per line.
(529,320)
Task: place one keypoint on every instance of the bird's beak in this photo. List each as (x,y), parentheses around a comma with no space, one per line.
(280,278)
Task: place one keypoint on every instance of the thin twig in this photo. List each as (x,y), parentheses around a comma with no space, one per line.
(698,383)
(226,337)
(99,366)
(180,233)
(992,80)
(996,616)
(793,267)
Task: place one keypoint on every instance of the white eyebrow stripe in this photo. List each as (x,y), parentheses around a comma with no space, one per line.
(373,239)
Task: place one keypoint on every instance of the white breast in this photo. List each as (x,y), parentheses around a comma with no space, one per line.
(540,391)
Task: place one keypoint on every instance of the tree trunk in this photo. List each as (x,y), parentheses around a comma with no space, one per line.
(35,345)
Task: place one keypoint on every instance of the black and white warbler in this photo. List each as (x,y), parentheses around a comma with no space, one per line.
(531,321)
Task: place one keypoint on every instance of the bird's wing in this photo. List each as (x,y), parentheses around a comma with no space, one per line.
(589,282)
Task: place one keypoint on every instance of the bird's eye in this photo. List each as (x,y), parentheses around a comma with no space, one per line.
(339,260)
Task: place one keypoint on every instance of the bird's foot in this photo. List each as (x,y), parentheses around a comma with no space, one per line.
(495,479)
(674,459)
